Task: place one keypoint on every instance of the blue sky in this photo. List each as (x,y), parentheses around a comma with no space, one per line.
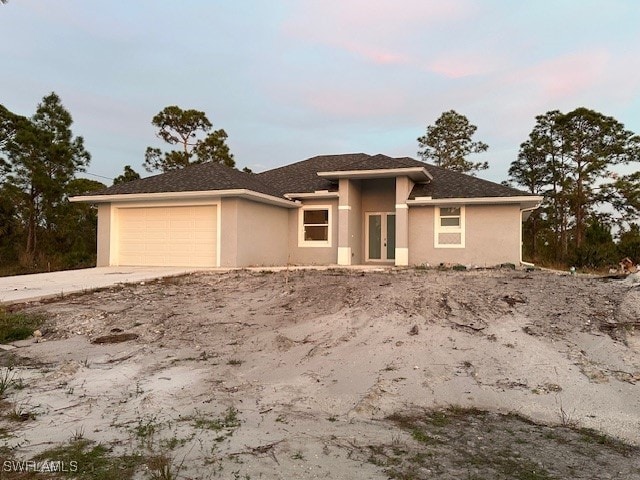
(290,79)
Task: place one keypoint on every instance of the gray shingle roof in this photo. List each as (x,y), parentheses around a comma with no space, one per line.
(302,177)
(449,184)
(194,178)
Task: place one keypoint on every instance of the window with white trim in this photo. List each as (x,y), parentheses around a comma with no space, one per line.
(449,227)
(315,226)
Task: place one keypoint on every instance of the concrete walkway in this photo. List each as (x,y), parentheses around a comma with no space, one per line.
(24,288)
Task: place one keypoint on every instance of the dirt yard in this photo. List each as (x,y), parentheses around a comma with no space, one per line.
(336,374)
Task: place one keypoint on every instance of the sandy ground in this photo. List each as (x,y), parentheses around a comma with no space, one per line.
(315,361)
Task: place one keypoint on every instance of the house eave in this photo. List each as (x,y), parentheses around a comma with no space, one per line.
(317,194)
(526,202)
(417,174)
(198,195)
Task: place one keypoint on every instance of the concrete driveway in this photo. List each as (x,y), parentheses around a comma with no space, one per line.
(23,288)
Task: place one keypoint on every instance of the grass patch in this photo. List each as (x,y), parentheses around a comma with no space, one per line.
(21,413)
(421,436)
(228,421)
(17,326)
(506,463)
(84,459)
(594,437)
(466,443)
(7,380)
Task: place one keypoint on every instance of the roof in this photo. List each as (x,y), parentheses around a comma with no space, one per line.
(203,177)
(302,177)
(450,184)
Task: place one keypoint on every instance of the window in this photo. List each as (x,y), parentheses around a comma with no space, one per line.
(449,227)
(315,226)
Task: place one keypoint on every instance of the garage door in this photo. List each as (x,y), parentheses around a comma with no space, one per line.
(168,236)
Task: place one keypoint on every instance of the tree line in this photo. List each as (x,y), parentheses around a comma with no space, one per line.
(589,216)
(590,212)
(40,160)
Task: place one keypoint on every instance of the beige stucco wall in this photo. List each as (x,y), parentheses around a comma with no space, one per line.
(356,241)
(262,234)
(313,255)
(378,195)
(228,232)
(104,235)
(492,236)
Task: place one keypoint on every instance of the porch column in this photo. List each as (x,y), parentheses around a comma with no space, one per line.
(403,188)
(344,212)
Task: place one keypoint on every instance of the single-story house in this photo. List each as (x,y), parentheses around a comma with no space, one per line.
(327,210)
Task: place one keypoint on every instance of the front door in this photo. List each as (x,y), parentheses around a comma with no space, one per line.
(381,236)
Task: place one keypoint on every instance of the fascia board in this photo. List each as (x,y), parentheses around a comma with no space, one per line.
(240,192)
(415,173)
(316,194)
(525,200)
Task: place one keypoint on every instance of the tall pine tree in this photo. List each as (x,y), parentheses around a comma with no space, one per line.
(43,156)
(569,158)
(448,143)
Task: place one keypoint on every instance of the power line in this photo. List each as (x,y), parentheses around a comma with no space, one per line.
(96,175)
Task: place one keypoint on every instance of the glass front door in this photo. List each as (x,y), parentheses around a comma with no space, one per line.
(381,236)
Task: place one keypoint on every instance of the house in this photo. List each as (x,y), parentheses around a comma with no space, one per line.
(327,210)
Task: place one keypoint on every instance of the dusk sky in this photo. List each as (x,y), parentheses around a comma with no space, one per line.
(291,79)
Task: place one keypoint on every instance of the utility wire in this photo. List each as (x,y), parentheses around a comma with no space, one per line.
(96,175)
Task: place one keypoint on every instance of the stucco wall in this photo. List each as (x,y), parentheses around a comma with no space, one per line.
(253,234)
(355,222)
(492,236)
(378,195)
(228,232)
(313,255)
(104,235)
(262,234)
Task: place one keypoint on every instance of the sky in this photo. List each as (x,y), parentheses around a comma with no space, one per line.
(291,79)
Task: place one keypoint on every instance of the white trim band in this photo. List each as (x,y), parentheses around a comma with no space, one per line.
(208,194)
(402,256)
(344,255)
(316,194)
(534,200)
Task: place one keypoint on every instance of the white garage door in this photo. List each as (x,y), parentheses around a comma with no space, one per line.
(168,236)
